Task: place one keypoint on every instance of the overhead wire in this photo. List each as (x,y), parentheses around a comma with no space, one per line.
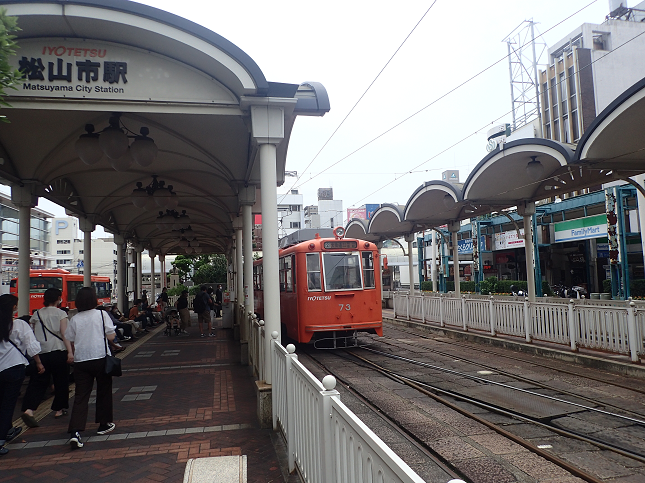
(443,96)
(361,97)
(498,118)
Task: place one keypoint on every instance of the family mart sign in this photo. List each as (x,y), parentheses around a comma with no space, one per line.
(581,229)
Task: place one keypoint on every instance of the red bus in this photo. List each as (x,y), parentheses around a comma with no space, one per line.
(330,289)
(67,283)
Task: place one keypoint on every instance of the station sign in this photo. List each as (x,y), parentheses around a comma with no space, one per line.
(86,69)
(581,229)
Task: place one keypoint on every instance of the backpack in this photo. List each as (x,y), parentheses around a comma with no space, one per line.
(198,304)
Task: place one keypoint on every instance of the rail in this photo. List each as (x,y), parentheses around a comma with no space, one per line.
(609,326)
(326,441)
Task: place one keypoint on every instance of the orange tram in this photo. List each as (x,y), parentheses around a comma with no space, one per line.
(69,284)
(330,290)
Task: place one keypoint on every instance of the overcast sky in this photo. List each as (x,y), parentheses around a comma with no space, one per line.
(345,44)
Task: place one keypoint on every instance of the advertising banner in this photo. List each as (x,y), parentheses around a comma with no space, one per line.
(509,239)
(359,213)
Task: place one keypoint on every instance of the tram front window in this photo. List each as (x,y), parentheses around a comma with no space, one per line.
(342,271)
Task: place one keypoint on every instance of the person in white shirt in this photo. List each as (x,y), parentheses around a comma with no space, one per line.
(17,341)
(89,331)
(49,324)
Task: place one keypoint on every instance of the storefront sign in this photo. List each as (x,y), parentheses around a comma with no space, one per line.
(602,250)
(64,68)
(465,246)
(509,239)
(581,229)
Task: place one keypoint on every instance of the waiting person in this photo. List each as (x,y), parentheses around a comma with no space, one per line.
(118,318)
(49,325)
(164,299)
(218,301)
(184,313)
(136,316)
(89,330)
(211,305)
(17,341)
(201,306)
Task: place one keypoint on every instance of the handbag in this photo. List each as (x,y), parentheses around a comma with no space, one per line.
(112,364)
(31,369)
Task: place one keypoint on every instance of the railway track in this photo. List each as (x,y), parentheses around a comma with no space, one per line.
(376,360)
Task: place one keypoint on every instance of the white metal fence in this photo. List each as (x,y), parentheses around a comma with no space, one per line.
(610,327)
(326,442)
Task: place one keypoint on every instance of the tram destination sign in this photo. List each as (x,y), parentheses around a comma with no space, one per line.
(332,245)
(77,69)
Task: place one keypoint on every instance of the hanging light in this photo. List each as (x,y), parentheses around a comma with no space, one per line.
(173,201)
(535,169)
(139,196)
(144,149)
(194,243)
(123,163)
(183,243)
(189,250)
(113,141)
(448,201)
(150,204)
(197,249)
(87,146)
(162,196)
(189,234)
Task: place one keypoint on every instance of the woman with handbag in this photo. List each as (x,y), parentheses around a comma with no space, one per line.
(89,332)
(17,342)
(49,325)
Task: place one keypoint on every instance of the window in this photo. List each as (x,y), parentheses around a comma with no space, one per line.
(566,135)
(80,252)
(556,129)
(286,274)
(563,94)
(294,207)
(257,277)
(574,124)
(342,271)
(368,269)
(63,242)
(64,261)
(103,289)
(294,224)
(72,290)
(554,98)
(40,284)
(63,252)
(313,272)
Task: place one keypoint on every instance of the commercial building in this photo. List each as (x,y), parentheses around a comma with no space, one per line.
(39,243)
(290,213)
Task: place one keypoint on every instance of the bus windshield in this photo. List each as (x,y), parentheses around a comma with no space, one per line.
(102,289)
(40,284)
(342,271)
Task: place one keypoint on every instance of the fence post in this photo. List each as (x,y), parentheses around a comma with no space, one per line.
(441,310)
(423,310)
(527,320)
(275,368)
(463,312)
(260,361)
(291,422)
(327,444)
(407,306)
(631,330)
(393,303)
(572,326)
(491,309)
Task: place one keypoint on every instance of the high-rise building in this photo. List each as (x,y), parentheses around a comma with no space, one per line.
(327,214)
(588,69)
(290,213)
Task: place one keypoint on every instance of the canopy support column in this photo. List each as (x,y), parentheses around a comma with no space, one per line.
(87,227)
(433,268)
(22,197)
(120,273)
(139,261)
(526,209)
(453,228)
(162,275)
(153,285)
(268,131)
(410,238)
(247,200)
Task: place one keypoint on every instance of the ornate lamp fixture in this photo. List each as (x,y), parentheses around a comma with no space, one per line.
(155,195)
(113,142)
(535,169)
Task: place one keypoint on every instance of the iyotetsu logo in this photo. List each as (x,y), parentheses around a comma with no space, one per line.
(314,298)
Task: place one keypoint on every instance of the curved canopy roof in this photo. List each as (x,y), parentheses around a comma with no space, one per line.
(192,88)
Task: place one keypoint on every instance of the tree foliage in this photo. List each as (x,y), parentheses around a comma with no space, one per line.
(9,76)
(202,268)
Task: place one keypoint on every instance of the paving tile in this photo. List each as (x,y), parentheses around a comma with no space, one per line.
(141,434)
(175,431)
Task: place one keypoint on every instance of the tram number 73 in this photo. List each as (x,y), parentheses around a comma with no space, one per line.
(344,307)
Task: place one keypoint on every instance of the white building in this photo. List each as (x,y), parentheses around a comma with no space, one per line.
(327,214)
(290,213)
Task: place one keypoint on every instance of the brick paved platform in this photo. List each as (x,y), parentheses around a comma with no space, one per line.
(179,398)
